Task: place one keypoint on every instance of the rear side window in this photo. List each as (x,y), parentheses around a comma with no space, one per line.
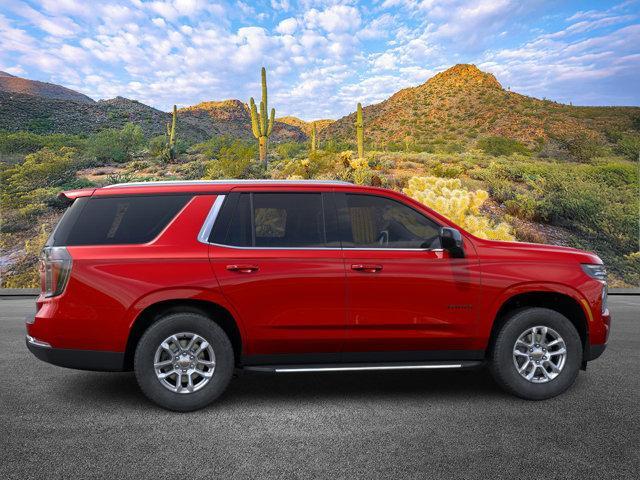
(283,220)
(117,220)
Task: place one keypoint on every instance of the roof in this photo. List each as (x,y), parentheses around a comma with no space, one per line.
(228,182)
(191,186)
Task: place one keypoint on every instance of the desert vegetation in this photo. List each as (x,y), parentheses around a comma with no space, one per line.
(573,182)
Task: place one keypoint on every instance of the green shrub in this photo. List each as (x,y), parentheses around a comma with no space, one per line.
(40,125)
(116,145)
(233,160)
(498,146)
(211,148)
(289,150)
(447,170)
(581,146)
(629,146)
(23,184)
(28,142)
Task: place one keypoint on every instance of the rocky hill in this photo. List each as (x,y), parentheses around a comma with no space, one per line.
(232,118)
(42,114)
(305,126)
(38,114)
(16,85)
(464,103)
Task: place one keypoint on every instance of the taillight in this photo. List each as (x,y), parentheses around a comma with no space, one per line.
(55,267)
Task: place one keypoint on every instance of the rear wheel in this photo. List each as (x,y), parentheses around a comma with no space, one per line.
(537,354)
(184,361)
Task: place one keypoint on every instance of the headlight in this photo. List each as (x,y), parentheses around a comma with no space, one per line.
(597,271)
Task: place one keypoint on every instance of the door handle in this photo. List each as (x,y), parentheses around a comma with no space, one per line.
(365,267)
(242,268)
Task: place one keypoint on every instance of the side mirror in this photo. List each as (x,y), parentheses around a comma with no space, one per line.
(451,240)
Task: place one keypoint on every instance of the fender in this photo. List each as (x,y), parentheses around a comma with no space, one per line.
(531,287)
(182,293)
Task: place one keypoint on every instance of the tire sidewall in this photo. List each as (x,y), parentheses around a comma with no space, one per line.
(164,328)
(504,370)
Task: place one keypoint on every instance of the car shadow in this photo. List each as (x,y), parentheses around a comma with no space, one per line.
(248,388)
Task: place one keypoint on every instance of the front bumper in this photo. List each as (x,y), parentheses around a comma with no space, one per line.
(95,360)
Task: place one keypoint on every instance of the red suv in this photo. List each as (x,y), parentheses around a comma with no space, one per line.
(185,281)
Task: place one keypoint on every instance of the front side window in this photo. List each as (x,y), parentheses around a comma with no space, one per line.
(280,220)
(369,221)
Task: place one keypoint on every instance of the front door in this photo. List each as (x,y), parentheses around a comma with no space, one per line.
(407,298)
(279,264)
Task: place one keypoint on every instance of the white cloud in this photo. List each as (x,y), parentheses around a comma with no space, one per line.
(287,26)
(280,5)
(56,26)
(335,19)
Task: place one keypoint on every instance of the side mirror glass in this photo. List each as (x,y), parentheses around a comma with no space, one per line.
(451,240)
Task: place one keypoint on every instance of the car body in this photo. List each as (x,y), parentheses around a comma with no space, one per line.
(300,276)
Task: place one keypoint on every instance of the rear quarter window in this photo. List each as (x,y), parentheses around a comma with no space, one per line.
(116,220)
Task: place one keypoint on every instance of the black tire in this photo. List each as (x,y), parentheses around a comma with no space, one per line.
(164,328)
(502,364)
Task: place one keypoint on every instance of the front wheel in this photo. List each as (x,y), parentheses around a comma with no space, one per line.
(537,354)
(183,362)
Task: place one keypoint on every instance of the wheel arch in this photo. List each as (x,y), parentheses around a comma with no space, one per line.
(153,312)
(561,302)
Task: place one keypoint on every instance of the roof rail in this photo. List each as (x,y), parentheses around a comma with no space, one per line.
(227,182)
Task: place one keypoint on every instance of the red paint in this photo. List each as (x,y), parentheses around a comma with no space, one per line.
(316,300)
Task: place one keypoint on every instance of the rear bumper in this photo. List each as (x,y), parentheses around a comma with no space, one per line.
(595,351)
(79,359)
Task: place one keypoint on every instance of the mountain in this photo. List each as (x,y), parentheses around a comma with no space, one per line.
(232,118)
(16,85)
(305,126)
(464,103)
(48,108)
(19,111)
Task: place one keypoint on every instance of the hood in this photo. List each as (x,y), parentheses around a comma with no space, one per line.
(534,251)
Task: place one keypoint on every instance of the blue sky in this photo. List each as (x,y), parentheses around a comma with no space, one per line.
(321,56)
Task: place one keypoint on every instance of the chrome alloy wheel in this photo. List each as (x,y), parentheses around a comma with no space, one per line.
(184,362)
(539,354)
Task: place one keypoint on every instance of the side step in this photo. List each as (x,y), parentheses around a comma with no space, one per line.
(351,367)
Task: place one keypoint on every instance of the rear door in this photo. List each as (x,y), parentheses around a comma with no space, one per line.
(278,261)
(407,299)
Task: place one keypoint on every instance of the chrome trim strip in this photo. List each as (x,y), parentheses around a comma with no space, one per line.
(381,367)
(228,182)
(205,231)
(332,248)
(36,342)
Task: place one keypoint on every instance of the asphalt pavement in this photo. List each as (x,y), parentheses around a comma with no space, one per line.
(57,423)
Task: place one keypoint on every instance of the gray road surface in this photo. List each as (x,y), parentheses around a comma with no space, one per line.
(57,423)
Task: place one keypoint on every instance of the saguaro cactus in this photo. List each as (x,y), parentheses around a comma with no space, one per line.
(360,132)
(260,124)
(314,138)
(171,136)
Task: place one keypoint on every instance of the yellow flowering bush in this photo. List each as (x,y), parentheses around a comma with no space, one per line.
(447,197)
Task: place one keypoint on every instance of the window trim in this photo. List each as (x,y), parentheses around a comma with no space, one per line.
(341,201)
(207,226)
(212,216)
(221,200)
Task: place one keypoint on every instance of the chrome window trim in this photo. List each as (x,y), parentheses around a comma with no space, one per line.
(205,231)
(212,216)
(331,248)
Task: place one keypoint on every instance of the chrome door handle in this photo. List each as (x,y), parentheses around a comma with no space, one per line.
(242,268)
(365,267)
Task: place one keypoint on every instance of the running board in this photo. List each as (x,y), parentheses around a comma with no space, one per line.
(351,367)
